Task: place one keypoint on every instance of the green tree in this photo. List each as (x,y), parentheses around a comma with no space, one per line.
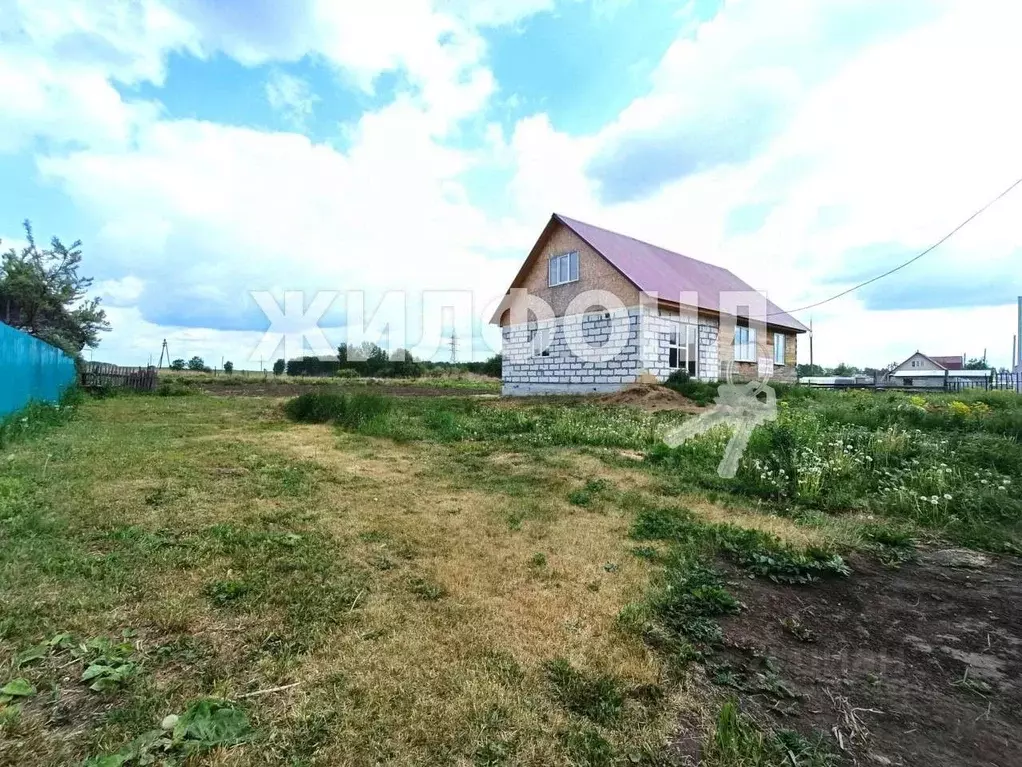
(845,370)
(804,370)
(228,367)
(178,365)
(42,293)
(196,363)
(976,364)
(279,366)
(493,366)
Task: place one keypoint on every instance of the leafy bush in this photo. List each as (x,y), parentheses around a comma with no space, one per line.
(175,387)
(346,373)
(700,392)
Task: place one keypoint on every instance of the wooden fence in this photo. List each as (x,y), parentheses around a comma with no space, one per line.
(100,375)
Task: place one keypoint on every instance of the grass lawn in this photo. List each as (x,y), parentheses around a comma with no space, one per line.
(440,580)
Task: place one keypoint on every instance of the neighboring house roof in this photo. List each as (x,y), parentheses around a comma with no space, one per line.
(950,363)
(944,363)
(656,270)
(942,373)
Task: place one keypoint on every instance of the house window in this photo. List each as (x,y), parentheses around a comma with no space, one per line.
(682,348)
(540,339)
(779,340)
(563,268)
(745,344)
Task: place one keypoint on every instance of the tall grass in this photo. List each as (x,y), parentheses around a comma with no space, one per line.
(452,419)
(352,411)
(958,475)
(37,416)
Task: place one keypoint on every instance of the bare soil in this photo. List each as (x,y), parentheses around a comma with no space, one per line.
(917,665)
(652,397)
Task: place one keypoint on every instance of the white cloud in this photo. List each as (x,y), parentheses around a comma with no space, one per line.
(292,97)
(122,292)
(889,137)
(904,138)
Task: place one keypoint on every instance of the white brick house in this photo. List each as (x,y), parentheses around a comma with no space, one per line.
(635,330)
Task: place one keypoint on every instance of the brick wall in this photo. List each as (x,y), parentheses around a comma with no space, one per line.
(564,372)
(748,371)
(640,335)
(657,328)
(594,273)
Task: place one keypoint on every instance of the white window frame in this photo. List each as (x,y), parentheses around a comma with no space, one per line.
(678,348)
(541,340)
(745,344)
(562,269)
(780,345)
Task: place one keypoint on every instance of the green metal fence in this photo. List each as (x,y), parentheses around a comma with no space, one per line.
(30,370)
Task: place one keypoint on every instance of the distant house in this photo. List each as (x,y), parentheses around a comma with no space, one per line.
(656,332)
(921,370)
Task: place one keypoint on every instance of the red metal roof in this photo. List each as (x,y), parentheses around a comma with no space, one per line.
(950,363)
(668,274)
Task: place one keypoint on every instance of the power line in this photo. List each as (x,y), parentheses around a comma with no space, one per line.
(912,260)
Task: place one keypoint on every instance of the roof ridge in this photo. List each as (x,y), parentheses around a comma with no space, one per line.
(568,220)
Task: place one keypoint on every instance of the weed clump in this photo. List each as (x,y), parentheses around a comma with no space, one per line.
(753,550)
(351,411)
(205,725)
(700,392)
(737,741)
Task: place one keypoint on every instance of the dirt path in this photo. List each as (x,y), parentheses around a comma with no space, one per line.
(920,665)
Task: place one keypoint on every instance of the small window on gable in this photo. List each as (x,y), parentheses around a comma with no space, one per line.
(563,268)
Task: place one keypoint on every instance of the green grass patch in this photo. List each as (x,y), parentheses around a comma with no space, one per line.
(755,551)
(737,742)
(598,697)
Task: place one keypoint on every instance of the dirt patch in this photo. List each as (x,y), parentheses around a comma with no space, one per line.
(653,398)
(913,666)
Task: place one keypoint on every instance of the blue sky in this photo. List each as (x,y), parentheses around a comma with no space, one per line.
(203,150)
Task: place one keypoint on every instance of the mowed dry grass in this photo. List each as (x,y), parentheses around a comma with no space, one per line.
(439,672)
(406,596)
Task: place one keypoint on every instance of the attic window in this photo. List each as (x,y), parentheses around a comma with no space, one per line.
(563,268)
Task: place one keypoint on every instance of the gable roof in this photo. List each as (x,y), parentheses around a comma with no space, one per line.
(938,361)
(950,363)
(653,269)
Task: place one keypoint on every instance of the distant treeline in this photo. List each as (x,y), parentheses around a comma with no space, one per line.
(372,361)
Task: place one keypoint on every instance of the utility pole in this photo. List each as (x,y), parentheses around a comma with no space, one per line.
(811,346)
(164,349)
